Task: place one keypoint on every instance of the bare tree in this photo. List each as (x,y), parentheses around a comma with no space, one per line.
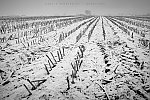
(88,12)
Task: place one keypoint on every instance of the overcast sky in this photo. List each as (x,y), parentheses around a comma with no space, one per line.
(72,7)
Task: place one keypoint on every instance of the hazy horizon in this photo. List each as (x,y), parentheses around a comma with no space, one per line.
(73,7)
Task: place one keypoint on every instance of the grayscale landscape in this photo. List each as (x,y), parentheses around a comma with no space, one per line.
(74,50)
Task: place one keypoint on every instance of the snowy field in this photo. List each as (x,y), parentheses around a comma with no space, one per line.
(75,58)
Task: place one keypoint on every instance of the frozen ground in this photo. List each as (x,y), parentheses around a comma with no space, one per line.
(112,69)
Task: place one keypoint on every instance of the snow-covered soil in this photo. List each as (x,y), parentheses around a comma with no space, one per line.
(110,69)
